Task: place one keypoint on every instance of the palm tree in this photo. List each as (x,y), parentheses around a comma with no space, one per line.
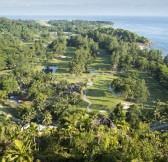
(33,133)
(47,118)
(19,152)
(74,98)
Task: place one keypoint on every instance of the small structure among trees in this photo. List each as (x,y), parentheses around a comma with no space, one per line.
(102,120)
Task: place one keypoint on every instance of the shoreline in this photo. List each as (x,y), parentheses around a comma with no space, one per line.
(124,22)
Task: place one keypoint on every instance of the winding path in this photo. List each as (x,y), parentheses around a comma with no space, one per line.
(8,113)
(155,127)
(86,100)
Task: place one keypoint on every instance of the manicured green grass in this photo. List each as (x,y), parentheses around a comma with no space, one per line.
(99,93)
(155,89)
(62,63)
(102,62)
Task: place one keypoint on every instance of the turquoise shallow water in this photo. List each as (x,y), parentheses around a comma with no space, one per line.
(153,28)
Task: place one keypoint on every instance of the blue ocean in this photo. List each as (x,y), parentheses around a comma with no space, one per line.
(153,28)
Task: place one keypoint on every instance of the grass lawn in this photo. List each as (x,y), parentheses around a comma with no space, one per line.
(156,90)
(62,63)
(102,62)
(99,93)
(101,77)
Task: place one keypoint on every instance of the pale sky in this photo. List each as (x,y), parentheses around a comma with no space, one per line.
(85,7)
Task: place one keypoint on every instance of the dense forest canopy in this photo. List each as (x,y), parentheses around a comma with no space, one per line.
(80,91)
(78,26)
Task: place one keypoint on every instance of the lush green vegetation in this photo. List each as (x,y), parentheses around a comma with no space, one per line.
(78,26)
(80,91)
(130,88)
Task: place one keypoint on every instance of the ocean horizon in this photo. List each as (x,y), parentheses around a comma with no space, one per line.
(154,28)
